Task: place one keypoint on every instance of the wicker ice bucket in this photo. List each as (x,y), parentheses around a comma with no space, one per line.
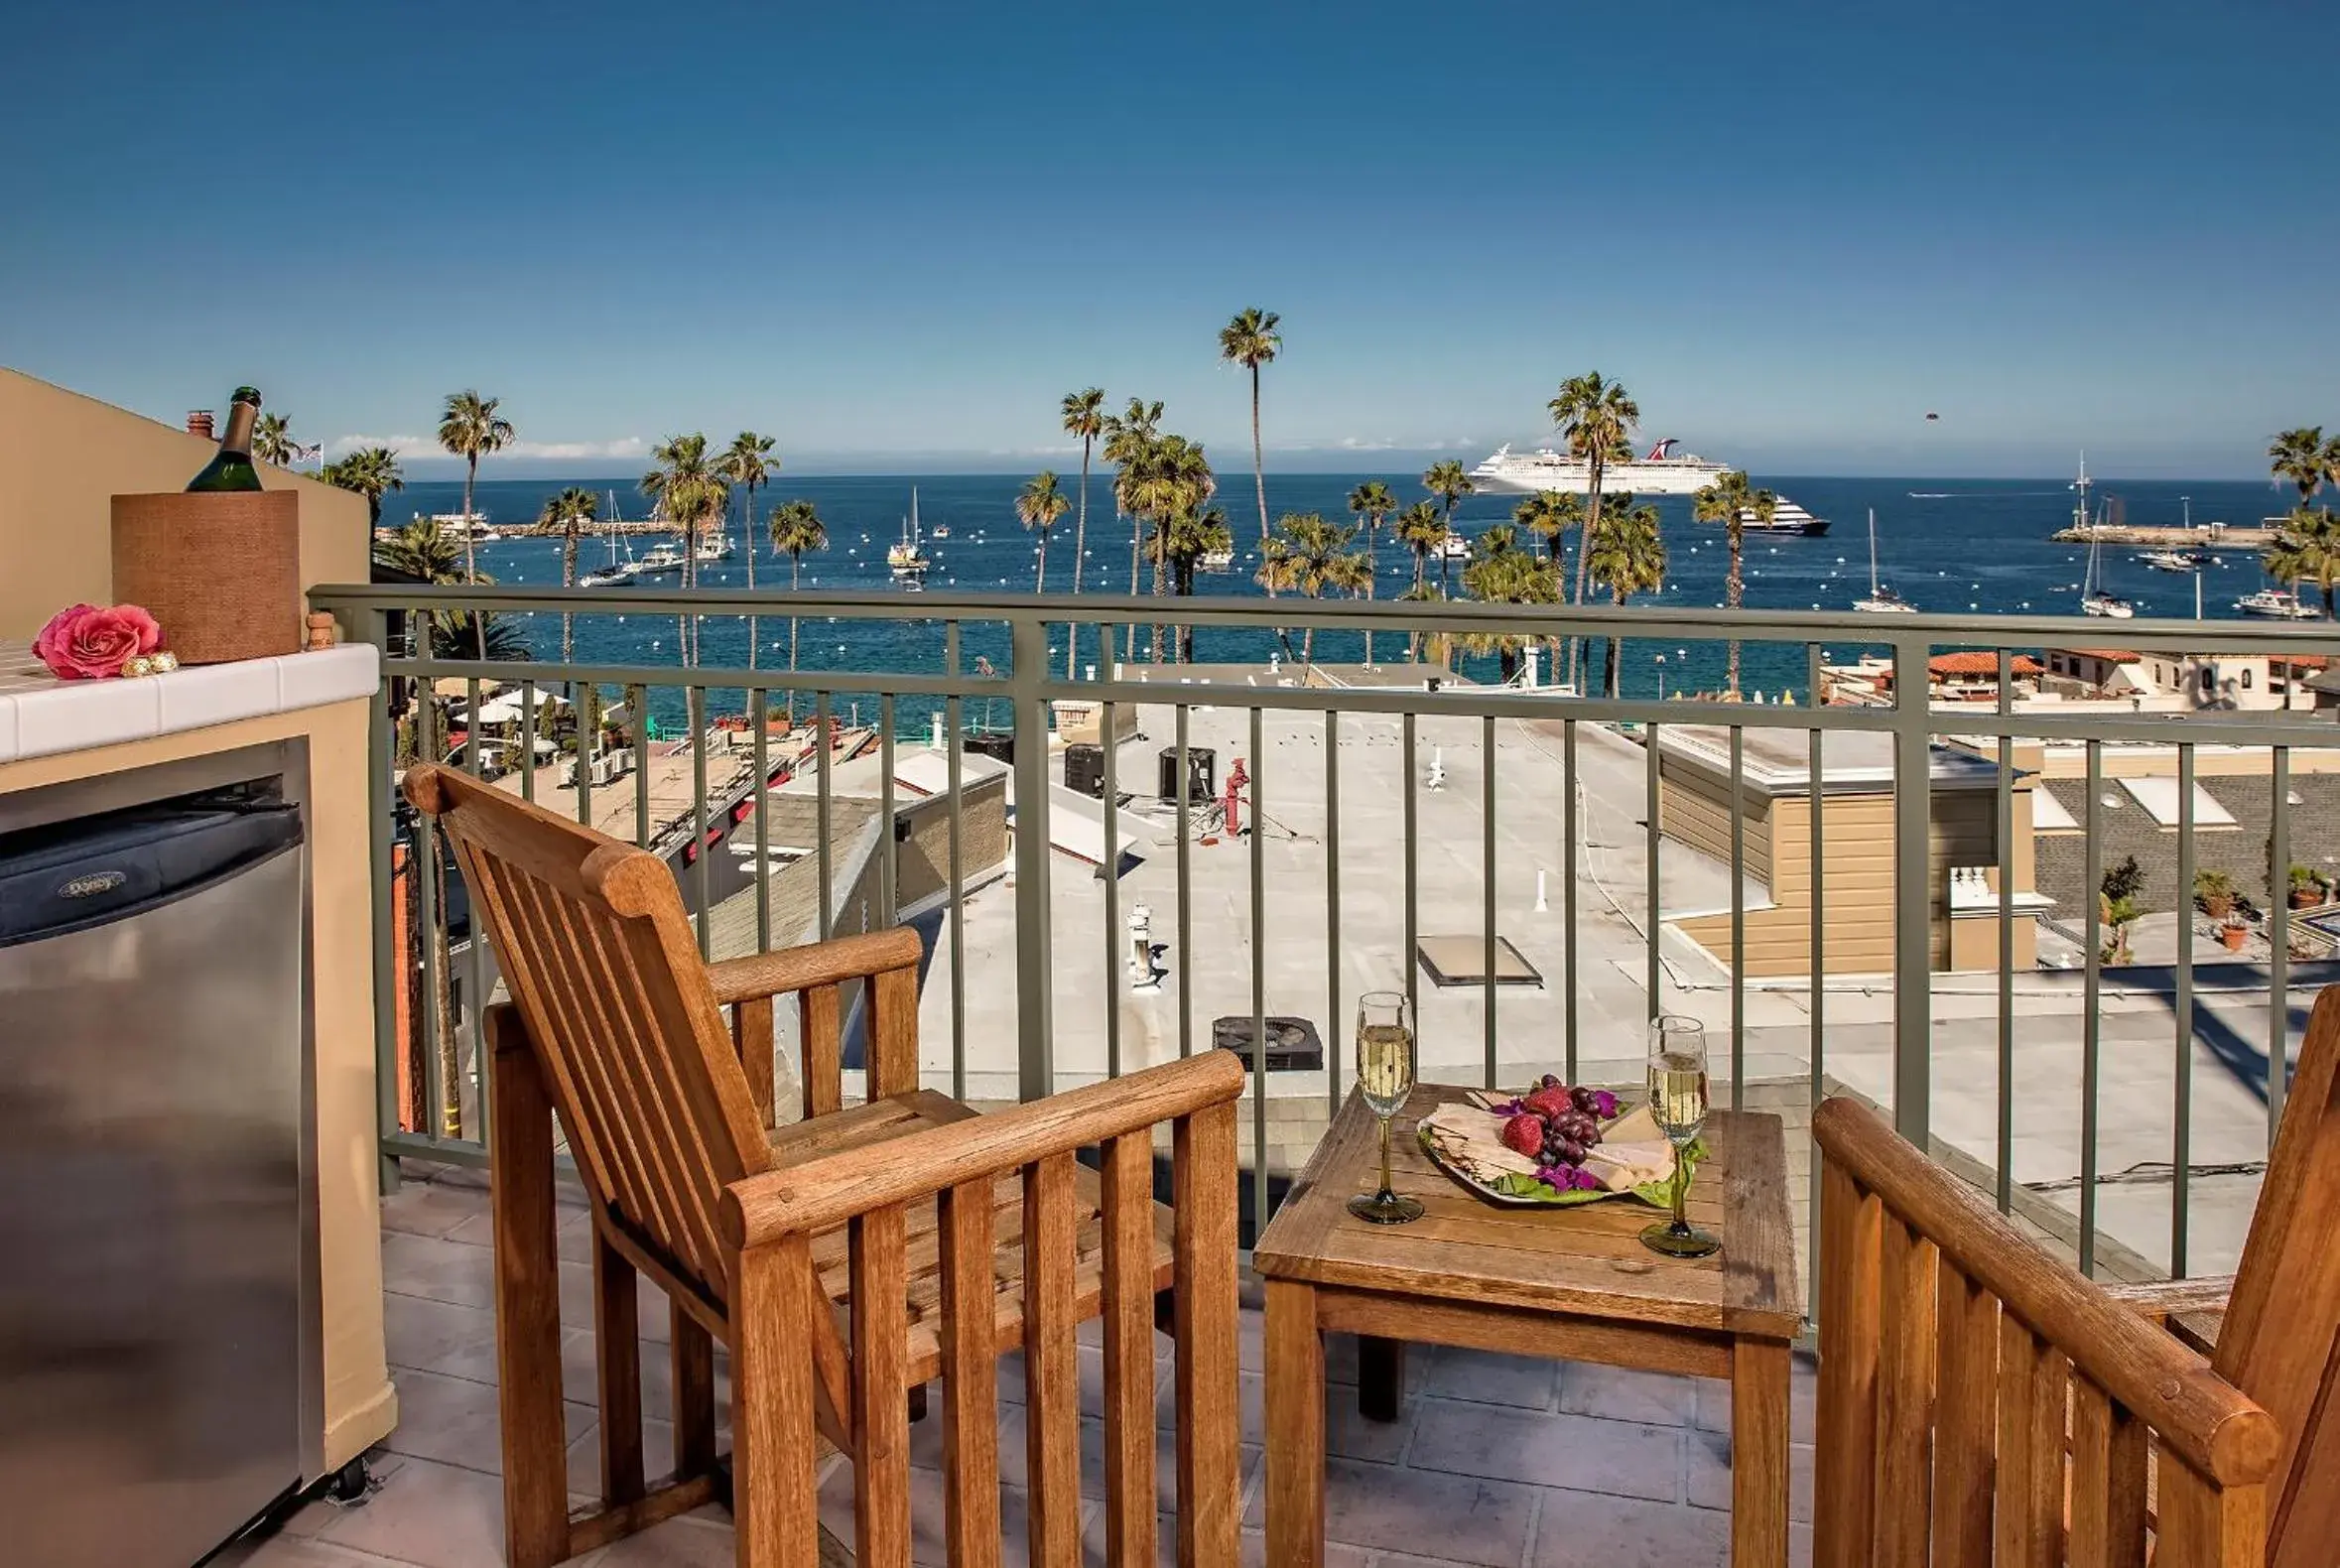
(221,573)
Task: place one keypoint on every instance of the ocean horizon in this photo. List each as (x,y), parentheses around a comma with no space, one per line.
(1951,545)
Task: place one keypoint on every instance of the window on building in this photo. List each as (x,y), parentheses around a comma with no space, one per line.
(2209,680)
(2245,679)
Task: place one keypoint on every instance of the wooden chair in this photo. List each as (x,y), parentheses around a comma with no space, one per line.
(951,1236)
(2056,1431)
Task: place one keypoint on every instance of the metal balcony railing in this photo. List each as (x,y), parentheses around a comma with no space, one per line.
(1731,859)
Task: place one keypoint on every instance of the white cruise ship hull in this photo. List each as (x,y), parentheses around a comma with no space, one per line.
(1534,471)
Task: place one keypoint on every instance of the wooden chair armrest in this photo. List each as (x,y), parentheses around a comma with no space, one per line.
(828,962)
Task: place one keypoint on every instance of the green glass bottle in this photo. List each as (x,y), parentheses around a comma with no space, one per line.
(230,469)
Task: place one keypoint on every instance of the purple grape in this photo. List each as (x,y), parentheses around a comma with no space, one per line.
(1551,1081)
(1583,1097)
(1571,1153)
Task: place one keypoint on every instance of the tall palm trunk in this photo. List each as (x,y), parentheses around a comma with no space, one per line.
(1080,550)
(1161,580)
(1735,589)
(568,581)
(749,539)
(1371,571)
(470,575)
(796,566)
(1413,639)
(1258,459)
(1584,553)
(1136,547)
(1040,577)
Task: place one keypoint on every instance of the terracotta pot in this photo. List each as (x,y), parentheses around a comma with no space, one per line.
(2234,936)
(2218,905)
(2307,898)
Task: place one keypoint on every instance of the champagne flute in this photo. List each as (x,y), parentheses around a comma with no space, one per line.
(1678,1101)
(1384,1077)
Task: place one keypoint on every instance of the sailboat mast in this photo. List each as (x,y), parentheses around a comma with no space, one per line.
(1873,552)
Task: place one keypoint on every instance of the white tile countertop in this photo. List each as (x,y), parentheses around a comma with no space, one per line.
(42,716)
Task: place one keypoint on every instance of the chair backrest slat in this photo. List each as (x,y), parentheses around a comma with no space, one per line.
(1127,1210)
(1852,1235)
(1905,1393)
(1966,1410)
(2281,1342)
(2107,1527)
(822,1050)
(881,1388)
(1204,1205)
(1052,1369)
(970,1374)
(2027,1494)
(592,937)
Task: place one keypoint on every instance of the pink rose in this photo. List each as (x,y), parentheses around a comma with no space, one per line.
(88,643)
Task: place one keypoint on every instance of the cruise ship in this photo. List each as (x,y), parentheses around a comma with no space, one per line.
(1786,518)
(1661,473)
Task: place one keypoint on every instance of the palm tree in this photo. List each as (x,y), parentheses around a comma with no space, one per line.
(797,531)
(1597,419)
(1730,502)
(371,471)
(1627,557)
(1041,505)
(1084,416)
(568,512)
(687,486)
(1422,531)
(424,551)
(1191,536)
(1128,437)
(744,464)
(272,439)
(2304,458)
(1550,516)
(1501,572)
(1450,485)
(1169,478)
(2306,549)
(1308,554)
(1250,341)
(1371,501)
(470,428)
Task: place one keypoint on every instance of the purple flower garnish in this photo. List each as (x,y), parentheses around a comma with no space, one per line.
(1603,1104)
(1567,1178)
(1510,1108)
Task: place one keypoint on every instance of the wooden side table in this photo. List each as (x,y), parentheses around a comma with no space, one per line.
(1570,1283)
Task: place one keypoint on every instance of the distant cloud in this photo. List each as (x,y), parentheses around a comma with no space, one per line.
(556,451)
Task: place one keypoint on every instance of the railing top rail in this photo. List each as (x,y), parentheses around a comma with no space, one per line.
(1934,631)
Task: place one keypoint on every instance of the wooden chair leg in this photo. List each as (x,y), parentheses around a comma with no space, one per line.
(617,1357)
(693,1395)
(527,1302)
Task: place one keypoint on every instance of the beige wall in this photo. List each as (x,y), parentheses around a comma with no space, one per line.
(1856,871)
(922,862)
(359,1406)
(63,459)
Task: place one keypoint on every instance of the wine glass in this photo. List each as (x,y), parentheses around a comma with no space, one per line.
(1678,1101)
(1384,1077)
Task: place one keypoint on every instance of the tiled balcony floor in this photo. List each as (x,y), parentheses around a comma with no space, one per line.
(1495,1460)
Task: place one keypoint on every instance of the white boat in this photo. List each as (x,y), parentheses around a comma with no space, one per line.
(1454,547)
(1214,560)
(1881,600)
(2094,598)
(904,557)
(622,568)
(459,524)
(1786,518)
(1661,473)
(659,560)
(2276,604)
(2175,560)
(714,547)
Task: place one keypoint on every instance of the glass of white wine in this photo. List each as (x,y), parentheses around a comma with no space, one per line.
(1384,1077)
(1678,1101)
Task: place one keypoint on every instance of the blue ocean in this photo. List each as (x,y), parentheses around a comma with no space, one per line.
(1950,546)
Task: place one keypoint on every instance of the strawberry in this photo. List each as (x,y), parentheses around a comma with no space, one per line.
(1550,1104)
(1525,1134)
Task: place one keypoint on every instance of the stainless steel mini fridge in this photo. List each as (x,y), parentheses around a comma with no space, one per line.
(157,1263)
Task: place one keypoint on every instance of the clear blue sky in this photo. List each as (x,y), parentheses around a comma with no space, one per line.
(894,235)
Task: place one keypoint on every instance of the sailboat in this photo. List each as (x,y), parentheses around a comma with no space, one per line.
(905,558)
(1881,600)
(2095,598)
(619,570)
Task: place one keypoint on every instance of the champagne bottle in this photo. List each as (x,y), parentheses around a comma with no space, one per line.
(230,469)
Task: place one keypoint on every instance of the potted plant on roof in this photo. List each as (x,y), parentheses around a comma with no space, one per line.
(2214,893)
(2308,889)
(2119,905)
(2234,931)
